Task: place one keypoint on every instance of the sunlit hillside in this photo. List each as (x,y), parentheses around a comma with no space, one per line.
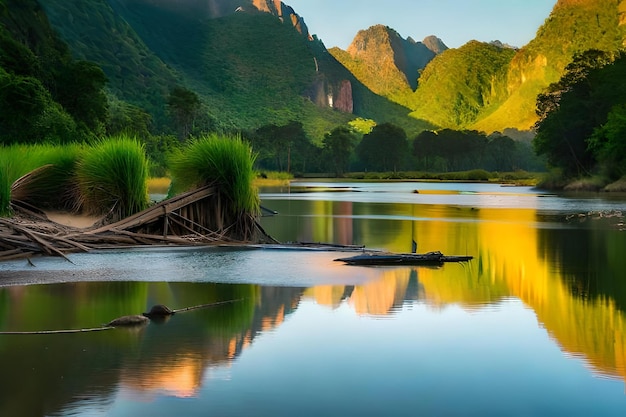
(386,63)
(572,27)
(463,85)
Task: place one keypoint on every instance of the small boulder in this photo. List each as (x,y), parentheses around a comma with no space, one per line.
(134,320)
(159,310)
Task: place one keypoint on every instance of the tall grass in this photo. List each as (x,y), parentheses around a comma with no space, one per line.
(226,161)
(50,183)
(112,178)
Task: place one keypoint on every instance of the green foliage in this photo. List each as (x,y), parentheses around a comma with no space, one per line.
(362,126)
(338,147)
(158,148)
(49,187)
(80,90)
(15,57)
(183,106)
(112,177)
(95,31)
(45,96)
(127,118)
(450,150)
(573,27)
(572,108)
(248,69)
(608,142)
(388,137)
(462,85)
(224,161)
(282,148)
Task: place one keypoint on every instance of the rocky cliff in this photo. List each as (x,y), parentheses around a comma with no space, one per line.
(285,13)
(386,63)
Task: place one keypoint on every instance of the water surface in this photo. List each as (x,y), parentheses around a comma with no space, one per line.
(534,325)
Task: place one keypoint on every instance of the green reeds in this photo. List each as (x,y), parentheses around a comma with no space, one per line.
(51,178)
(112,178)
(225,161)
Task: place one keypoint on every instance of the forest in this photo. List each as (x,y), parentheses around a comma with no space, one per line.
(48,96)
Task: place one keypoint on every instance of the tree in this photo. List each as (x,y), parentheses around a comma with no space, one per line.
(384,148)
(338,145)
(80,90)
(502,151)
(184,107)
(127,118)
(29,115)
(425,151)
(282,148)
(573,107)
(608,143)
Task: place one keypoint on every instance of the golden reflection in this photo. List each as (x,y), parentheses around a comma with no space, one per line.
(180,379)
(378,297)
(508,263)
(326,295)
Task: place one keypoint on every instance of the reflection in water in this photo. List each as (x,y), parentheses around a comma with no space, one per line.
(570,275)
(49,373)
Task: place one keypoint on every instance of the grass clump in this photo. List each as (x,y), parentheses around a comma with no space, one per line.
(224,161)
(41,175)
(112,178)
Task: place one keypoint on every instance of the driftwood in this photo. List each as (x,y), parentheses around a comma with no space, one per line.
(156,313)
(182,220)
(385,259)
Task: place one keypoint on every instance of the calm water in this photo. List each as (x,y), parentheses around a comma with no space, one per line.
(535,325)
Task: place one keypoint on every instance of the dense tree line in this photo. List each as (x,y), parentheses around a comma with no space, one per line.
(450,150)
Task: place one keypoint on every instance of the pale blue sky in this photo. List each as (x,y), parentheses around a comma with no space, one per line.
(515,22)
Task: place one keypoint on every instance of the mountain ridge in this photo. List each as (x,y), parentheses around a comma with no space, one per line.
(386,63)
(279,73)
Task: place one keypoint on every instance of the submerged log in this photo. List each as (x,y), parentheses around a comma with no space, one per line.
(381,258)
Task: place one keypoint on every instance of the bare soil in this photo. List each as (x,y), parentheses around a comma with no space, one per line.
(80,221)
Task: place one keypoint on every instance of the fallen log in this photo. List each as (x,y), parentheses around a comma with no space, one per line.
(384,259)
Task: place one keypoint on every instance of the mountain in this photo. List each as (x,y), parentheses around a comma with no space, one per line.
(252,62)
(388,64)
(462,85)
(95,33)
(483,86)
(573,26)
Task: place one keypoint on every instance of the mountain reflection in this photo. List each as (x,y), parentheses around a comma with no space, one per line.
(570,275)
(581,308)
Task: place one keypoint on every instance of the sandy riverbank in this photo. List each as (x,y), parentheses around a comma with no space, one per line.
(80,221)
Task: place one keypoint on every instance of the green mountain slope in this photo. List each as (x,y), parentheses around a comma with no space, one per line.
(96,33)
(463,85)
(250,68)
(386,63)
(573,26)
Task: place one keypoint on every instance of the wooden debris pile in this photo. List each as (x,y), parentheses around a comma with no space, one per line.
(182,220)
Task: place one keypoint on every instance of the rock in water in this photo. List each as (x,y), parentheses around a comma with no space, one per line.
(159,310)
(134,320)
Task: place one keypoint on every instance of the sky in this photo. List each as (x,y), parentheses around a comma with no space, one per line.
(455,22)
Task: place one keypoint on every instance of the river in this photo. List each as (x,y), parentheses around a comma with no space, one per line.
(534,325)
